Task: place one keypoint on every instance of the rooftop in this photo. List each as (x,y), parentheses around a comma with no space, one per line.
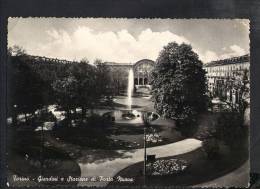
(233,60)
(118,64)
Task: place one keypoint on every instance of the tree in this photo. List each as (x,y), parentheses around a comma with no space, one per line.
(231,130)
(103,80)
(241,85)
(16,51)
(119,81)
(25,87)
(179,85)
(65,92)
(85,75)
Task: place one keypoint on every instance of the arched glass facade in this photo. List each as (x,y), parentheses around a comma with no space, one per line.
(142,71)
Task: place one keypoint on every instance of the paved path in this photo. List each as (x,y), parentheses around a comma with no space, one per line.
(110,168)
(237,178)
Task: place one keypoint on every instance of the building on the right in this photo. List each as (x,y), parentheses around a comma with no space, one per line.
(224,77)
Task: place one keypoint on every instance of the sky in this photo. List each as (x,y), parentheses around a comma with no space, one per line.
(127,40)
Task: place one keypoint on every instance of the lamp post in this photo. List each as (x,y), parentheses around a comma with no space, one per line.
(42,150)
(144,155)
(14,118)
(146,122)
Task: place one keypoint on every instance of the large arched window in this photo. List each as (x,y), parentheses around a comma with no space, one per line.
(136,81)
(145,81)
(142,71)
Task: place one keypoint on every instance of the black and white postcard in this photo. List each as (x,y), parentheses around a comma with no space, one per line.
(128,102)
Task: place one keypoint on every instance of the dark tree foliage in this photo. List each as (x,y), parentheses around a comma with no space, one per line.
(119,81)
(104,79)
(26,88)
(49,72)
(179,84)
(84,87)
(36,83)
(231,130)
(66,93)
(241,85)
(86,95)
(16,51)
(211,148)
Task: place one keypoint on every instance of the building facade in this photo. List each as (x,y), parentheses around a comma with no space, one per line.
(142,71)
(224,77)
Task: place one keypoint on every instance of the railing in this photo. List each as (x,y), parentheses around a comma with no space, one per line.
(46,59)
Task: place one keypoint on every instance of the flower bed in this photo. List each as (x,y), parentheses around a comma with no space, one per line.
(166,167)
(153,138)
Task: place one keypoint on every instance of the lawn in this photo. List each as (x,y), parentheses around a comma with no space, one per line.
(199,170)
(124,136)
(90,140)
(117,136)
(27,157)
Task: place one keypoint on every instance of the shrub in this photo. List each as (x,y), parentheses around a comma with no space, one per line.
(99,121)
(166,167)
(46,116)
(230,129)
(187,126)
(211,148)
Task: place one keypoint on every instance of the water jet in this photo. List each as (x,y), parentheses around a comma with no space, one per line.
(130,88)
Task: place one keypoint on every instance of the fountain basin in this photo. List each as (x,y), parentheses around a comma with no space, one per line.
(125,116)
(129,116)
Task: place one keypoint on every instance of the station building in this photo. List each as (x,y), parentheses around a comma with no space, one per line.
(221,75)
(142,71)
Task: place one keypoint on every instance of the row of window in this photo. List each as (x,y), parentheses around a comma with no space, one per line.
(223,74)
(141,81)
(232,67)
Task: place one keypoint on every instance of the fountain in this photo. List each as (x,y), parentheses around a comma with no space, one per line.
(130,88)
(129,115)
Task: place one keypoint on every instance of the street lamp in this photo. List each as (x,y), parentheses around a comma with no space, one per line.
(14,118)
(146,121)
(144,154)
(42,150)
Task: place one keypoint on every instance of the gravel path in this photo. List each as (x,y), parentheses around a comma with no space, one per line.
(110,168)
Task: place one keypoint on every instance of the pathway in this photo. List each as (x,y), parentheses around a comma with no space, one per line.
(110,168)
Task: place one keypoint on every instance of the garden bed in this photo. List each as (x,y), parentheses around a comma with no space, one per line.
(162,167)
(199,169)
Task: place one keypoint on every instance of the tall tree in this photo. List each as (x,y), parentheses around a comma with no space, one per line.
(25,87)
(65,93)
(16,51)
(179,84)
(241,85)
(85,75)
(119,81)
(103,80)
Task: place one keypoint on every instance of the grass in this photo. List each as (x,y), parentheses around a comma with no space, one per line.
(27,157)
(115,136)
(64,166)
(123,136)
(200,170)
